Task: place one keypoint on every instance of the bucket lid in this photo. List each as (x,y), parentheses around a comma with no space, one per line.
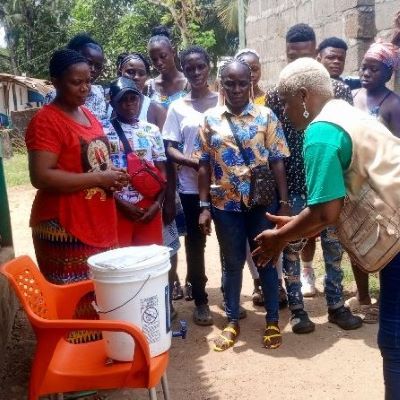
(129,258)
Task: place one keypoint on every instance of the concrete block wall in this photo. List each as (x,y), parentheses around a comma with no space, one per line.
(356,21)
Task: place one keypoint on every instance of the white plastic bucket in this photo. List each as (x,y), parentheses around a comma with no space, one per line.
(131,284)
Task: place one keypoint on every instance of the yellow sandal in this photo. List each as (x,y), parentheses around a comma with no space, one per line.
(224,342)
(272,344)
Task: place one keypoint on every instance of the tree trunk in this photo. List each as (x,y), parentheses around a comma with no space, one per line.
(12,46)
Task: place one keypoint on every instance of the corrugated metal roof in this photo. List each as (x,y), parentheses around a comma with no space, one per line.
(41,86)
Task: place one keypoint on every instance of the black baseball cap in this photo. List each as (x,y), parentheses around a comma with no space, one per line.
(121,86)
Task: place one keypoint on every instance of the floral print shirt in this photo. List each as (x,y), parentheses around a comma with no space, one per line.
(146,142)
(295,172)
(262,138)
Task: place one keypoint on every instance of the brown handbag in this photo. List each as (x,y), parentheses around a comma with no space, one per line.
(262,181)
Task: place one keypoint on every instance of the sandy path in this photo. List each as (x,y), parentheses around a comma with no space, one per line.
(327,364)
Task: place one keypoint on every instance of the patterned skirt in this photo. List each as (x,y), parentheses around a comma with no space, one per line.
(62,259)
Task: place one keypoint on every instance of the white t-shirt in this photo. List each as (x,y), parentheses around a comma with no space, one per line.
(182,126)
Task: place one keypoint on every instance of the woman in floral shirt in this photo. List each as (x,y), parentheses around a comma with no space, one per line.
(224,178)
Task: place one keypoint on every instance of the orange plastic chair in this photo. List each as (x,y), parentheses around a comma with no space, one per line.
(60,366)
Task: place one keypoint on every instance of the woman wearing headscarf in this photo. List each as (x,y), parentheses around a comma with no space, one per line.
(375,97)
(378,100)
(353,180)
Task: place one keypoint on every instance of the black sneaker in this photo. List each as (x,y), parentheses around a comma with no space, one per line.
(343,318)
(301,323)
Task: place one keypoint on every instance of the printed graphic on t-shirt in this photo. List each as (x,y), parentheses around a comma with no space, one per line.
(95,155)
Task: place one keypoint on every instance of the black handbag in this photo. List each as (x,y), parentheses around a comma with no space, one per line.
(262,181)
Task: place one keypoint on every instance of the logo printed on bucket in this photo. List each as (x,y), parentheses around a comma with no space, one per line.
(150,318)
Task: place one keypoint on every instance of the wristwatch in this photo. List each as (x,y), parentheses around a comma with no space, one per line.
(204,204)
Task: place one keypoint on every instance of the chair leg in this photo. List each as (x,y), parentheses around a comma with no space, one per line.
(165,387)
(153,394)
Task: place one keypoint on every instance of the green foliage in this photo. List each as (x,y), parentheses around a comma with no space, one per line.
(134,28)
(125,26)
(5,65)
(35,28)
(201,37)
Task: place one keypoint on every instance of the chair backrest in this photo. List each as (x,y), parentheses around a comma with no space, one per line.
(32,289)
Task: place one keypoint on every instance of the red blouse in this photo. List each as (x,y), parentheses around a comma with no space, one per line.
(89,214)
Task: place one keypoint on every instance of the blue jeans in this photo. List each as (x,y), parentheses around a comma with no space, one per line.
(389,327)
(332,252)
(233,230)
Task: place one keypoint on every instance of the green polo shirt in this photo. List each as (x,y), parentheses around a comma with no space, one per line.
(327,155)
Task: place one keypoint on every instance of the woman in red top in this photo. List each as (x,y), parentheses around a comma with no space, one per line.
(73,215)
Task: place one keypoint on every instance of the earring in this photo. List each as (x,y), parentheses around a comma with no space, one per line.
(306,114)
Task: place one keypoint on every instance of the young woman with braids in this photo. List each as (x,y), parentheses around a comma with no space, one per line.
(168,86)
(136,67)
(224,178)
(252,58)
(180,133)
(73,214)
(93,52)
(258,96)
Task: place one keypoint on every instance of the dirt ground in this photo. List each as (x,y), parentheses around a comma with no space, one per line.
(329,364)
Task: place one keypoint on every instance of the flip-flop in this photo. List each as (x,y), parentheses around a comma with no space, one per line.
(268,336)
(226,343)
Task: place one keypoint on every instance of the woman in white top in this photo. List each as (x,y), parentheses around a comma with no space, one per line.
(180,131)
(136,67)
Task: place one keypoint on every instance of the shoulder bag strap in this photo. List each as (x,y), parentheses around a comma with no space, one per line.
(237,140)
(118,128)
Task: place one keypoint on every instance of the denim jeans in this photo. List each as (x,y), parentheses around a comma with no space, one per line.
(233,230)
(389,327)
(195,243)
(332,253)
